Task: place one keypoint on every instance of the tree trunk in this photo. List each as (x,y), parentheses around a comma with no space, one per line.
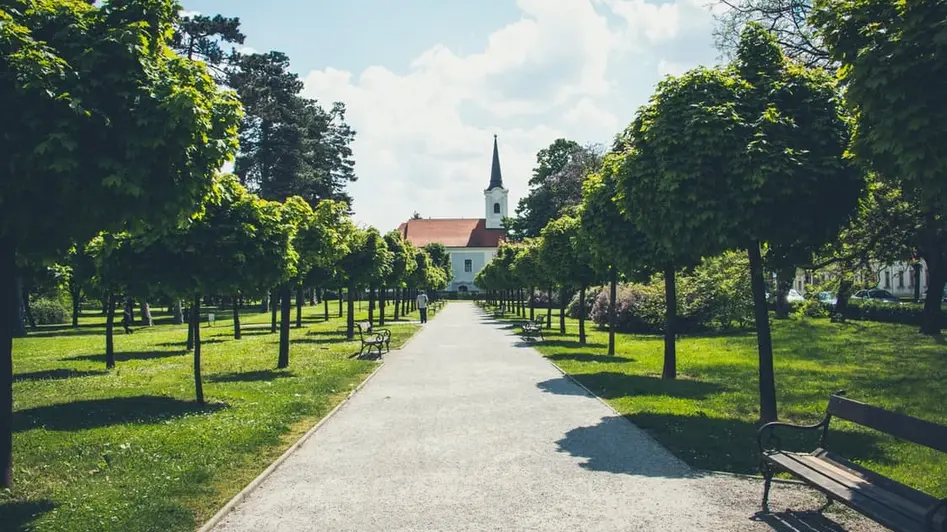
(763,339)
(146,318)
(236,318)
(9,302)
(196,326)
(381,305)
(110,332)
(129,307)
(340,301)
(371,304)
(286,310)
(670,321)
(265,303)
(325,305)
(75,292)
(190,328)
(274,298)
(612,319)
(177,317)
(937,276)
(562,310)
(350,319)
(25,295)
(314,297)
(532,303)
(300,299)
(549,308)
(582,315)
(397,303)
(917,281)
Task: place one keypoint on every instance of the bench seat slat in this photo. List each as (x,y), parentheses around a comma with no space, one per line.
(918,497)
(885,507)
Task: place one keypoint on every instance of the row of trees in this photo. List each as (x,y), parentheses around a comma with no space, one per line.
(118,117)
(728,157)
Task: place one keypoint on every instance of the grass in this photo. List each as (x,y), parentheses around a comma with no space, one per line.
(130,449)
(709,415)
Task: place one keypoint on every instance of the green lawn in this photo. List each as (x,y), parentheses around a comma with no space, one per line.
(130,450)
(708,416)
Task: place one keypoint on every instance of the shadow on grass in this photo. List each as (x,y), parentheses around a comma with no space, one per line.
(795,521)
(182,343)
(256,331)
(337,340)
(69,331)
(614,385)
(573,344)
(614,446)
(126,356)
(337,333)
(96,413)
(725,444)
(250,376)
(19,514)
(56,374)
(589,357)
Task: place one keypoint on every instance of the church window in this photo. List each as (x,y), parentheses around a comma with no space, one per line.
(468,265)
(496,208)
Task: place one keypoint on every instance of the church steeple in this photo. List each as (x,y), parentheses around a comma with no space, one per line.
(496,178)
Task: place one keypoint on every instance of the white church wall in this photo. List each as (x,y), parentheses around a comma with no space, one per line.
(478,258)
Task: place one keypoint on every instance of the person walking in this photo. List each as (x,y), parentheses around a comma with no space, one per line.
(127,318)
(422,306)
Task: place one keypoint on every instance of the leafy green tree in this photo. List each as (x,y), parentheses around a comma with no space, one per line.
(367,261)
(79,81)
(321,241)
(81,270)
(440,257)
(555,186)
(527,267)
(567,258)
(725,157)
(884,48)
(785,19)
(616,245)
(403,265)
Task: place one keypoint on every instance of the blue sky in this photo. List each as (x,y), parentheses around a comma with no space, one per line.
(428,82)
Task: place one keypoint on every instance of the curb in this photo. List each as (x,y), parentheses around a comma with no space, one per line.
(656,442)
(255,483)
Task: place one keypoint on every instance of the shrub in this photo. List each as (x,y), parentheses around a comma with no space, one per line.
(725,282)
(48,311)
(810,308)
(906,313)
(572,309)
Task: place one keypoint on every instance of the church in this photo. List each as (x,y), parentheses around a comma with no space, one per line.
(472,242)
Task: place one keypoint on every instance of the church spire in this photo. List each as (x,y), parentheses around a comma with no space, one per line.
(496,179)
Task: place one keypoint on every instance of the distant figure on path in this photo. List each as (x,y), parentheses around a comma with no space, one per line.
(422,306)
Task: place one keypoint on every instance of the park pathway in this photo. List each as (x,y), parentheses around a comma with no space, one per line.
(465,429)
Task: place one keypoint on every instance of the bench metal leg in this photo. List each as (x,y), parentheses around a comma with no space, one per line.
(767,483)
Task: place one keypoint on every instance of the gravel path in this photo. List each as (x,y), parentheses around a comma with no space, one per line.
(455,433)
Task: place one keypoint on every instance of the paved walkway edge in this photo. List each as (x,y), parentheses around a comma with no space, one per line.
(232,503)
(707,471)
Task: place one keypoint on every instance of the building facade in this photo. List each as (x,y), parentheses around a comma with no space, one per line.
(471,242)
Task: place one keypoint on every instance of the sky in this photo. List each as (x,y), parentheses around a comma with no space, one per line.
(427,83)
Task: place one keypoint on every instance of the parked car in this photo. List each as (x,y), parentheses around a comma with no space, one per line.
(794,297)
(876,294)
(827,298)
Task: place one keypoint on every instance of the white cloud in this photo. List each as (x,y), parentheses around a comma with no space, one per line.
(566,68)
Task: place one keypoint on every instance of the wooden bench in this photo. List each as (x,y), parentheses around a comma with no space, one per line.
(531,329)
(890,503)
(372,338)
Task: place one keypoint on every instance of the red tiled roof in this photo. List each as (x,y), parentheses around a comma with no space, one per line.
(452,232)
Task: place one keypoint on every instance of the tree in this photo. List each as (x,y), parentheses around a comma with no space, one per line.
(367,261)
(884,49)
(565,255)
(725,157)
(785,19)
(555,187)
(321,241)
(440,257)
(78,82)
(403,265)
(615,243)
(81,269)
(201,38)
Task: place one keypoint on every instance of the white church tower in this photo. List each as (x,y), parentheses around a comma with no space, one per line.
(495,195)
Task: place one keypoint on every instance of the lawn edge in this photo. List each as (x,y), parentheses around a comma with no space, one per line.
(652,438)
(255,483)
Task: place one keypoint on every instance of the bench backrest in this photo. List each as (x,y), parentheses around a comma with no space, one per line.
(898,425)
